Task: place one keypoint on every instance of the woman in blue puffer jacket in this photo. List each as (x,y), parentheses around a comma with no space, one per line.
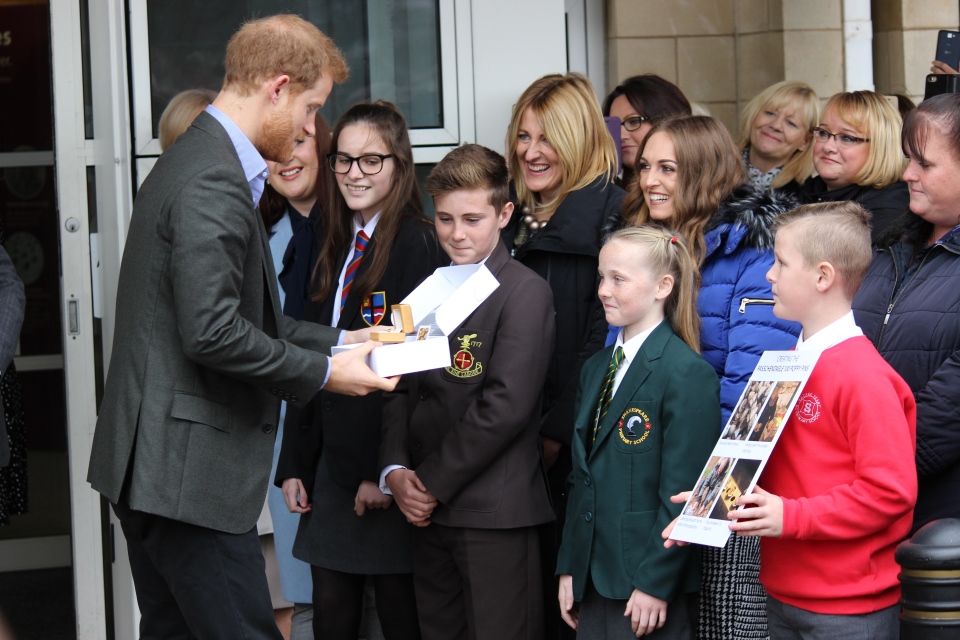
(690,178)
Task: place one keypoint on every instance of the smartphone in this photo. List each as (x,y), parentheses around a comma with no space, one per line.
(948,48)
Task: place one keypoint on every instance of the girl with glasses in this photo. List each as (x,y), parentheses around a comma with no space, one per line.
(639,101)
(857,156)
(377,247)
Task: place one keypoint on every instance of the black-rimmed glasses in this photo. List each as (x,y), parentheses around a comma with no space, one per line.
(842,139)
(370,164)
(634,122)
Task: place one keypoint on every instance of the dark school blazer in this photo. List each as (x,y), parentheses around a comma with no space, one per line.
(654,441)
(348,427)
(471,431)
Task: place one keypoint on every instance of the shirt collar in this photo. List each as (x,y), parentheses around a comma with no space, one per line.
(632,346)
(253,164)
(831,335)
(367,228)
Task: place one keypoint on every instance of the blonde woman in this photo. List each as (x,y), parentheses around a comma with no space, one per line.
(180,112)
(857,156)
(776,136)
(563,162)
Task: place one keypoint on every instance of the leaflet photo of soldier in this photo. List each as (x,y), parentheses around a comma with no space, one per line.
(708,487)
(774,412)
(744,416)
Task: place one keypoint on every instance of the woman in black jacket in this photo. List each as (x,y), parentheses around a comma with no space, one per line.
(908,304)
(857,157)
(563,162)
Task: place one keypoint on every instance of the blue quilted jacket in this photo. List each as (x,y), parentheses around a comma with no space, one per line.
(735,301)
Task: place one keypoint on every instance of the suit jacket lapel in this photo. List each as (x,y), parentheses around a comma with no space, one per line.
(640,368)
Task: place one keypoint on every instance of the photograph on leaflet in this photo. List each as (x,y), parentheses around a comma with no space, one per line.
(774,412)
(745,444)
(745,414)
(708,487)
(737,482)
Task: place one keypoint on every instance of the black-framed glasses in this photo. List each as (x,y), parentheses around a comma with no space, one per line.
(369,165)
(634,122)
(842,139)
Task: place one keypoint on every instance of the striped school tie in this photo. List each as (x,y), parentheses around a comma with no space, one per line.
(606,395)
(358,248)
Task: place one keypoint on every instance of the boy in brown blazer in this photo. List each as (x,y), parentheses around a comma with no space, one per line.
(460,446)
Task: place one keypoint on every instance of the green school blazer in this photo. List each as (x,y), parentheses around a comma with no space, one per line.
(653,442)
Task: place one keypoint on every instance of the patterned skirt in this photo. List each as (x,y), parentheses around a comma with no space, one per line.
(732,600)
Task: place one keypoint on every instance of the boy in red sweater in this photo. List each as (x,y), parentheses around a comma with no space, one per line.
(839,489)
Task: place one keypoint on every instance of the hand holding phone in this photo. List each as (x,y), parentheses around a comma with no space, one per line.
(947,60)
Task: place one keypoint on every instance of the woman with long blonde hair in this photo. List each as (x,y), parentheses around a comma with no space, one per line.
(563,162)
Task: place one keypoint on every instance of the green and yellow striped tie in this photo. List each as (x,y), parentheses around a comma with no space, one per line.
(606,395)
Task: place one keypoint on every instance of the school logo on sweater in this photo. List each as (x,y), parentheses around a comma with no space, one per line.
(808,408)
(373,307)
(634,426)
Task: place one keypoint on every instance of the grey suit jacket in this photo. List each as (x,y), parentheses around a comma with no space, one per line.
(202,354)
(12,302)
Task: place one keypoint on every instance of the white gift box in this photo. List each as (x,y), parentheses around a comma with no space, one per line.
(441,303)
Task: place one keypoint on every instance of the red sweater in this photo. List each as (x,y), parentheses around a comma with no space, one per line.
(844,466)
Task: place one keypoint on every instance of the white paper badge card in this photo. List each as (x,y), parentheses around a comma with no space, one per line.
(745,445)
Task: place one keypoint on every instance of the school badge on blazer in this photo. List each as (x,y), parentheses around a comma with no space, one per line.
(373,308)
(634,430)
(468,354)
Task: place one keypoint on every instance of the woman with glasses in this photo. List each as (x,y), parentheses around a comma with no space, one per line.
(640,101)
(377,247)
(857,156)
(563,162)
(690,178)
(775,137)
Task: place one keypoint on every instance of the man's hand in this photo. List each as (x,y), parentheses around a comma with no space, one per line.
(646,613)
(680,498)
(551,451)
(350,375)
(764,519)
(295,496)
(568,609)
(358,336)
(412,497)
(369,496)
(942,68)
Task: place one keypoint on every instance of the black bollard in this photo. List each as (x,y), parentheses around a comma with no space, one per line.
(930,581)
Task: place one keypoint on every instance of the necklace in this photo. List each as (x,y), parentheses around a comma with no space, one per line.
(532,223)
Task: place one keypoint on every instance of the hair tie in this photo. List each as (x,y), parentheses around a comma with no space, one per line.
(673,239)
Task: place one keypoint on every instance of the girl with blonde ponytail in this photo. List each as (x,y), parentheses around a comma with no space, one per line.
(646,420)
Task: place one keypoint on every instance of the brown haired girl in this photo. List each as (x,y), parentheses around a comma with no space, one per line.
(377,246)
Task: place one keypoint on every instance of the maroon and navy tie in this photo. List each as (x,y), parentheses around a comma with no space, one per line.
(358,249)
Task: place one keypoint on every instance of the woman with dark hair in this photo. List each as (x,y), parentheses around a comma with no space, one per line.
(908,303)
(290,208)
(690,178)
(640,101)
(377,247)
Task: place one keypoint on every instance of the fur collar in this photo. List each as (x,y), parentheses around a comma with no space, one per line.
(745,218)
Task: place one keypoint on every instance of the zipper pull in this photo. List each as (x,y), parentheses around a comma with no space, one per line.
(886,318)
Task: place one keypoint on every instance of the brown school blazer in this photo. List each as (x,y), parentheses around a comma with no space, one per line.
(471,431)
